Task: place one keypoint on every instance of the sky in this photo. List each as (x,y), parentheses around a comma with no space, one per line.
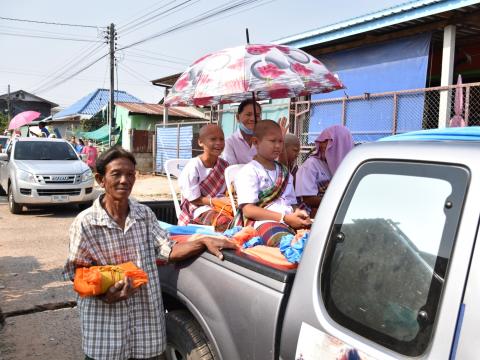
(41,65)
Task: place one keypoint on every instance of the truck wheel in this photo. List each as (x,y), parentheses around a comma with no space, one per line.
(14,207)
(185,338)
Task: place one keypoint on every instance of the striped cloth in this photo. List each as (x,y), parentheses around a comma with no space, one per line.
(210,186)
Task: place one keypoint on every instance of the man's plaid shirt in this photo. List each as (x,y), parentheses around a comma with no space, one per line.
(134,328)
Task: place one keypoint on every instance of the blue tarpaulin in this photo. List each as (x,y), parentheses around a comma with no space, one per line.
(471,133)
(397,65)
(167,144)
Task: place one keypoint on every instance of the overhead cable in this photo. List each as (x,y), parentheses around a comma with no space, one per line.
(49,22)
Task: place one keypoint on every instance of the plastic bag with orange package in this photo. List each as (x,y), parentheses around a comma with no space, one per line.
(96,280)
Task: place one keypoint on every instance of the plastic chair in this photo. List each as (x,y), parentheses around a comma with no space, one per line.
(172,168)
(230,173)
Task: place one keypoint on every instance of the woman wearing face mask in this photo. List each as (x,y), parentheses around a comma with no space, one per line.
(238,146)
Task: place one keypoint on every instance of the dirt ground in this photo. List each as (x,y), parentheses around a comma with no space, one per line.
(40,320)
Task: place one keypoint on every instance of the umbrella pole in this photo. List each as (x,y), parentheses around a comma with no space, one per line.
(254,107)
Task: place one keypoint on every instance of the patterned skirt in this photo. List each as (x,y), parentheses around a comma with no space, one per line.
(219,220)
(271,232)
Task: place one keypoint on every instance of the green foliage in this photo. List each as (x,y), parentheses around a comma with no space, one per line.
(3,123)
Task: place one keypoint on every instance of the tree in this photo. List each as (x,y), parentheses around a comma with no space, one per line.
(3,123)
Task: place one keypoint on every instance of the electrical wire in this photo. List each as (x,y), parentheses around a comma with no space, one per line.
(68,67)
(62,81)
(192,21)
(49,23)
(158,65)
(149,12)
(148,52)
(48,37)
(151,19)
(139,56)
(35,31)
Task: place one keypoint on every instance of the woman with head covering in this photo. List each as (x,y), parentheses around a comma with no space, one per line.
(314,175)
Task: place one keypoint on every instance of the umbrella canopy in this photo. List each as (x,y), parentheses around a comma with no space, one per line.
(22,119)
(234,74)
(457,120)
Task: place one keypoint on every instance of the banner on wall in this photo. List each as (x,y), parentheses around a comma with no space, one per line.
(397,65)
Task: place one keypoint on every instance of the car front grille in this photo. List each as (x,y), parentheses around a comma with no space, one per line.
(49,192)
(58,179)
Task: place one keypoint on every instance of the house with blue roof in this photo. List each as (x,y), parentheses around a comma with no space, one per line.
(399,66)
(88,113)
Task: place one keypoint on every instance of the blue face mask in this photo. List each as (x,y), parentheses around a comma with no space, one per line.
(244,129)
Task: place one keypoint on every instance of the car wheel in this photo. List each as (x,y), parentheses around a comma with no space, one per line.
(85,205)
(185,338)
(14,207)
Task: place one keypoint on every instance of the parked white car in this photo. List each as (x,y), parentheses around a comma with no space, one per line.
(44,171)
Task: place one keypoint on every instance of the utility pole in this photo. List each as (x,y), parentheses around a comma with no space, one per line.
(8,105)
(111,118)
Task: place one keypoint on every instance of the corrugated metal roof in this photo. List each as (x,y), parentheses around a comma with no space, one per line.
(157,109)
(402,13)
(91,104)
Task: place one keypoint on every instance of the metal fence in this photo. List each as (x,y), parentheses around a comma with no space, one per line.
(372,116)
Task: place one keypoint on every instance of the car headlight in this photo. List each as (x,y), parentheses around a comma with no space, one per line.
(26,176)
(87,175)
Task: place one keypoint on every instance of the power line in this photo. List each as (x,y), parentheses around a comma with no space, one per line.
(49,37)
(160,54)
(31,31)
(154,18)
(157,65)
(140,56)
(49,23)
(150,12)
(195,20)
(62,81)
(66,68)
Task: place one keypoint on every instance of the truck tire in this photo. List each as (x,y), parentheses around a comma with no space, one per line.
(185,338)
(14,207)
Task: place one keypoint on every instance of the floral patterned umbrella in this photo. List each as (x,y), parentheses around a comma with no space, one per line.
(265,71)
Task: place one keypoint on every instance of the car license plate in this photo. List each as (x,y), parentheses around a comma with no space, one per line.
(59,198)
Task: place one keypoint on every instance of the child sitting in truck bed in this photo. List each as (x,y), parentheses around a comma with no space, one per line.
(314,175)
(202,182)
(265,189)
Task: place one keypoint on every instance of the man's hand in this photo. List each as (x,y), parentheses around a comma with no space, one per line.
(215,245)
(298,219)
(119,291)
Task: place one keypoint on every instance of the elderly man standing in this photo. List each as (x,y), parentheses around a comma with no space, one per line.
(125,323)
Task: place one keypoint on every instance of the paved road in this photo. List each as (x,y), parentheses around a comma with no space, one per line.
(33,248)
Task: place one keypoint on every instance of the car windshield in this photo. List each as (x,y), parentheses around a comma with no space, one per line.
(44,150)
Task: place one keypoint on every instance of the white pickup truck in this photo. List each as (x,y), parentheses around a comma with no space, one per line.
(39,171)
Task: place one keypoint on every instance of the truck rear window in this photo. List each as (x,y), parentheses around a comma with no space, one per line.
(44,150)
(388,252)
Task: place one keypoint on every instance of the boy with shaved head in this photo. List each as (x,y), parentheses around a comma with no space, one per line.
(265,189)
(202,183)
